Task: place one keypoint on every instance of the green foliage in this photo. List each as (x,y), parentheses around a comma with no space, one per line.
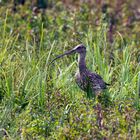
(42,101)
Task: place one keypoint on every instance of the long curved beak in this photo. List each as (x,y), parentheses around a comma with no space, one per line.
(66,53)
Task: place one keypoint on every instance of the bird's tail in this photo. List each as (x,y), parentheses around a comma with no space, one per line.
(107,84)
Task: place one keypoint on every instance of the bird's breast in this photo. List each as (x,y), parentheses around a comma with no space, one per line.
(81,81)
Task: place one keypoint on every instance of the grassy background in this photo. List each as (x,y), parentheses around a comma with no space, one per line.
(38,101)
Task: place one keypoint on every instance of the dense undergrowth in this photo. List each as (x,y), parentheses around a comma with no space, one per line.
(41,101)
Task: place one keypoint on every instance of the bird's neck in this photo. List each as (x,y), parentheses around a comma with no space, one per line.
(82,62)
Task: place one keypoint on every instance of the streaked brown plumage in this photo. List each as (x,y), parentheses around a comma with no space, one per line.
(86,80)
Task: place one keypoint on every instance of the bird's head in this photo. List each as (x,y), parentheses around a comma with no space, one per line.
(77,49)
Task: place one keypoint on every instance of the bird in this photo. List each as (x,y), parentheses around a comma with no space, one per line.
(89,82)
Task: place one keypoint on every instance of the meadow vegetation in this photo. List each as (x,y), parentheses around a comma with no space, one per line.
(41,101)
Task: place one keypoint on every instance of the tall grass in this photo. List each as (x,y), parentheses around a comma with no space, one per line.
(42,101)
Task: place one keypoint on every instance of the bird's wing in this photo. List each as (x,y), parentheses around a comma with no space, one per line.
(96,81)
